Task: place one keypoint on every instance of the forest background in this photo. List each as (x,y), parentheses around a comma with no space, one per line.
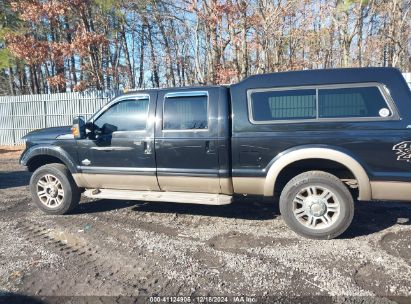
(49,46)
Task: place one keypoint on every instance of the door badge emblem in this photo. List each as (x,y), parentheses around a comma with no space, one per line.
(86,162)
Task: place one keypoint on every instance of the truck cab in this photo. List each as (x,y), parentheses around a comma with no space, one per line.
(319,139)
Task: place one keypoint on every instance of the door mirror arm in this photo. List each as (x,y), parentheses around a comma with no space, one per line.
(90,129)
(90,126)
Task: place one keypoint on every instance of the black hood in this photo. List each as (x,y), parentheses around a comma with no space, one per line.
(47,133)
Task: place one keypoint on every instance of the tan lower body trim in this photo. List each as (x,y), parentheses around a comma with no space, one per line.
(149,182)
(249,185)
(388,190)
(226,185)
(189,184)
(117,181)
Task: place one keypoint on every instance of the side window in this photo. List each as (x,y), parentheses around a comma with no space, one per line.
(126,115)
(351,102)
(283,105)
(185,113)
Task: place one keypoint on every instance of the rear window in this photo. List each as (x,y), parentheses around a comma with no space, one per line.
(302,104)
(283,105)
(351,102)
(185,113)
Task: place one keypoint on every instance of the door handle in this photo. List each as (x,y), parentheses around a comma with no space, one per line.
(210,146)
(147,147)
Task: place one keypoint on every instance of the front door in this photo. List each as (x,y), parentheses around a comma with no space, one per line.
(186,141)
(119,153)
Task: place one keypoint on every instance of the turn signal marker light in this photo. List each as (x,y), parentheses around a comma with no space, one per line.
(75,131)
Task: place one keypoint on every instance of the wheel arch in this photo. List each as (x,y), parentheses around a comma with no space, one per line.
(287,158)
(38,156)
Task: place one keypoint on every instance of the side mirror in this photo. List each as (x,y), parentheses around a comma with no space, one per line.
(108,128)
(79,128)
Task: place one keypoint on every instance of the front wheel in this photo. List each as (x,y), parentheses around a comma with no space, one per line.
(317,205)
(54,190)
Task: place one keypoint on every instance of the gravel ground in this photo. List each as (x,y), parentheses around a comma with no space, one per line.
(111,248)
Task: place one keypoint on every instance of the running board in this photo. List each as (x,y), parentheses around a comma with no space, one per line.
(153,196)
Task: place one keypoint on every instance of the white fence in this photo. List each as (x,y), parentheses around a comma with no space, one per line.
(21,114)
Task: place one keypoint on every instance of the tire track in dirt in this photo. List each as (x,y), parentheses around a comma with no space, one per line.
(239,245)
(185,259)
(245,248)
(95,269)
(398,244)
(216,255)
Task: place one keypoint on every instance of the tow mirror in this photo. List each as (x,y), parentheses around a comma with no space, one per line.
(79,128)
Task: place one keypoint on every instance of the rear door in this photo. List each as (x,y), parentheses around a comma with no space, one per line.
(186,140)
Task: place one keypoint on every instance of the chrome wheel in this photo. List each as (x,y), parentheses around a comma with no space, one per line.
(316,207)
(50,191)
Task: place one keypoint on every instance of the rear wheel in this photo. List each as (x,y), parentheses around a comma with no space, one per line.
(54,190)
(317,205)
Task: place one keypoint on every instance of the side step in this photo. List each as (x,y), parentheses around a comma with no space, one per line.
(153,196)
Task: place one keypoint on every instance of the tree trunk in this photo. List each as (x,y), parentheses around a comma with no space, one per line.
(11,82)
(142,49)
(169,61)
(130,73)
(155,78)
(72,60)
(359,39)
(244,49)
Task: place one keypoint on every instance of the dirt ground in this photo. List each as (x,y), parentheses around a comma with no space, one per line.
(112,248)
(10,151)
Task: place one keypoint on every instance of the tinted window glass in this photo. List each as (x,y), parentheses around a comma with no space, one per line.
(127,115)
(351,102)
(185,113)
(280,105)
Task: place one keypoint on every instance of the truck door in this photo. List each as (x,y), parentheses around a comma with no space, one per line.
(120,153)
(186,140)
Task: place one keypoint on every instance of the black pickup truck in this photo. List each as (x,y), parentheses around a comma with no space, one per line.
(319,139)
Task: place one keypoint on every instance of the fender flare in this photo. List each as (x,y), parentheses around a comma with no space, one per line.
(287,158)
(49,150)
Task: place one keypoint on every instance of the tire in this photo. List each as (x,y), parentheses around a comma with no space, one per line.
(317,205)
(53,189)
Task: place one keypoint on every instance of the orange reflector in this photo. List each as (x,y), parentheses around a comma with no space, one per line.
(75,131)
